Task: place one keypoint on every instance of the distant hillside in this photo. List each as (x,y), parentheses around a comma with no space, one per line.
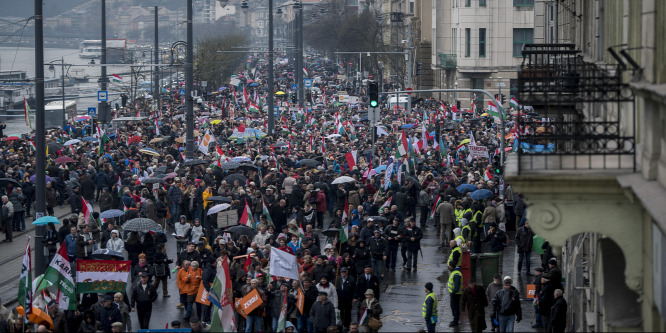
(26,8)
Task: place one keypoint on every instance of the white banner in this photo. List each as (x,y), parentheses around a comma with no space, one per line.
(283,264)
(478,151)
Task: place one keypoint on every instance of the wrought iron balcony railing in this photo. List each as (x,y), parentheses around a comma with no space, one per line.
(583,115)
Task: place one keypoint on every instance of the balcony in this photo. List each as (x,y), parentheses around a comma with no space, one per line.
(448,61)
(586,113)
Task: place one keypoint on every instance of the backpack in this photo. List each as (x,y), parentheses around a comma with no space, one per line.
(161,209)
(313,198)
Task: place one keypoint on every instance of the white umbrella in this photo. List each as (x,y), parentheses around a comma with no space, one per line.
(343,179)
(333,136)
(71,142)
(218,208)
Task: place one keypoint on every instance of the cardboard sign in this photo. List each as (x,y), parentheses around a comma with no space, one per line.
(237,303)
(251,301)
(478,151)
(531,291)
(202,295)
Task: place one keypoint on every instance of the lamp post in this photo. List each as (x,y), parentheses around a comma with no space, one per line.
(103,106)
(189,86)
(40,140)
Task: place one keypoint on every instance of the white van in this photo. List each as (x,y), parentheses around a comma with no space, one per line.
(403,100)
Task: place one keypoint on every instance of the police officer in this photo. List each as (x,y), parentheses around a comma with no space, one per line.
(455,289)
(455,258)
(429,309)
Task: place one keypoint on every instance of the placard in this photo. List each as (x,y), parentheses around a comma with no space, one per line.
(478,151)
(251,301)
(531,291)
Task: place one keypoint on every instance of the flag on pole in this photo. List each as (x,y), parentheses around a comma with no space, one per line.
(494,112)
(514,103)
(487,175)
(222,316)
(264,210)
(403,146)
(87,210)
(438,200)
(157,127)
(305,71)
(424,138)
(246,218)
(59,274)
(472,141)
(351,158)
(26,113)
(364,318)
(282,320)
(25,281)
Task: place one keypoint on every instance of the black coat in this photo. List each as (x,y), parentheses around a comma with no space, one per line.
(524,239)
(141,296)
(558,315)
(346,290)
(364,284)
(323,271)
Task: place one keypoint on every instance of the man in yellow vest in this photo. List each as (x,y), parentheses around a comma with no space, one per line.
(455,258)
(455,291)
(429,309)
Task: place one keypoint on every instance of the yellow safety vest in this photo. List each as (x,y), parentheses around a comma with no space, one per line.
(459,215)
(469,233)
(456,249)
(451,285)
(434,306)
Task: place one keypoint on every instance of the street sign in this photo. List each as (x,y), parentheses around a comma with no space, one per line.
(204,83)
(501,84)
(409,89)
(181,92)
(102,96)
(308,83)
(276,110)
(294,86)
(92,111)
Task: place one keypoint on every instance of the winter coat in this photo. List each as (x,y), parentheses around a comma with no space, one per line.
(330,290)
(558,315)
(446,213)
(492,289)
(322,315)
(507,302)
(107,316)
(276,298)
(141,296)
(489,215)
(105,201)
(524,239)
(408,233)
(374,308)
(378,248)
(116,244)
(17,200)
(474,304)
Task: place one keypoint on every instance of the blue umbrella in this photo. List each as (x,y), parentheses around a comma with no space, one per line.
(464,188)
(111,213)
(481,194)
(221,88)
(254,84)
(380,168)
(407,126)
(33,178)
(44,220)
(89,138)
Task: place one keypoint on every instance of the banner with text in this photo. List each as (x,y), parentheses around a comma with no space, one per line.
(478,151)
(102,276)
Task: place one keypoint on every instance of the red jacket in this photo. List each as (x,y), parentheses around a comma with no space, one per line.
(321,202)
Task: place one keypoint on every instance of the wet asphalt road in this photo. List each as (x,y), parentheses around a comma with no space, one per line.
(402,292)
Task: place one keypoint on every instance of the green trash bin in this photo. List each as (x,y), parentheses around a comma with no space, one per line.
(490,265)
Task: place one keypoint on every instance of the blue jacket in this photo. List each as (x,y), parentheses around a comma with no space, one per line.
(102,179)
(70,243)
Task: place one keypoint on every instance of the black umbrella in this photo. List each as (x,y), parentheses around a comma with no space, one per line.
(230,165)
(241,230)
(280,144)
(220,199)
(105,254)
(161,169)
(141,224)
(154,180)
(331,232)
(194,162)
(4,182)
(247,167)
(235,176)
(378,218)
(54,146)
(414,181)
(309,163)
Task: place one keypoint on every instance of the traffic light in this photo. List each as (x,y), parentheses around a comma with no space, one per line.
(503,99)
(373,94)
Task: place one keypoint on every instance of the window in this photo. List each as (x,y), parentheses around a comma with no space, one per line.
(520,38)
(468,3)
(411,7)
(482,42)
(482,3)
(468,37)
(454,46)
(523,3)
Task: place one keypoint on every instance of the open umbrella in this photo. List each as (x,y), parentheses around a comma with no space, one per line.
(111,213)
(4,182)
(153,180)
(64,159)
(310,163)
(149,151)
(463,142)
(54,146)
(141,224)
(37,316)
(44,220)
(331,232)
(170,175)
(215,122)
(194,162)
(380,168)
(333,136)
(230,165)
(241,159)
(280,144)
(464,188)
(106,254)
(71,142)
(247,166)
(219,198)
(378,218)
(218,208)
(414,181)
(156,140)
(343,179)
(280,93)
(235,176)
(241,230)
(161,169)
(83,118)
(405,126)
(481,194)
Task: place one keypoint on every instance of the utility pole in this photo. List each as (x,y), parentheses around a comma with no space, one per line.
(40,140)
(271,88)
(156,61)
(103,106)
(299,70)
(409,66)
(189,86)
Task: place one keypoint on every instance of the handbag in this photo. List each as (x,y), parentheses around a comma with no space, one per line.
(375,324)
(160,270)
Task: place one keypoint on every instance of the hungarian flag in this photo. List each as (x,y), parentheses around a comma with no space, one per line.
(245,98)
(157,127)
(117,78)
(438,200)
(514,102)
(487,175)
(403,146)
(87,210)
(388,202)
(25,281)
(26,113)
(494,112)
(59,274)
(264,210)
(305,71)
(223,315)
(351,159)
(282,321)
(254,107)
(364,318)
(246,218)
